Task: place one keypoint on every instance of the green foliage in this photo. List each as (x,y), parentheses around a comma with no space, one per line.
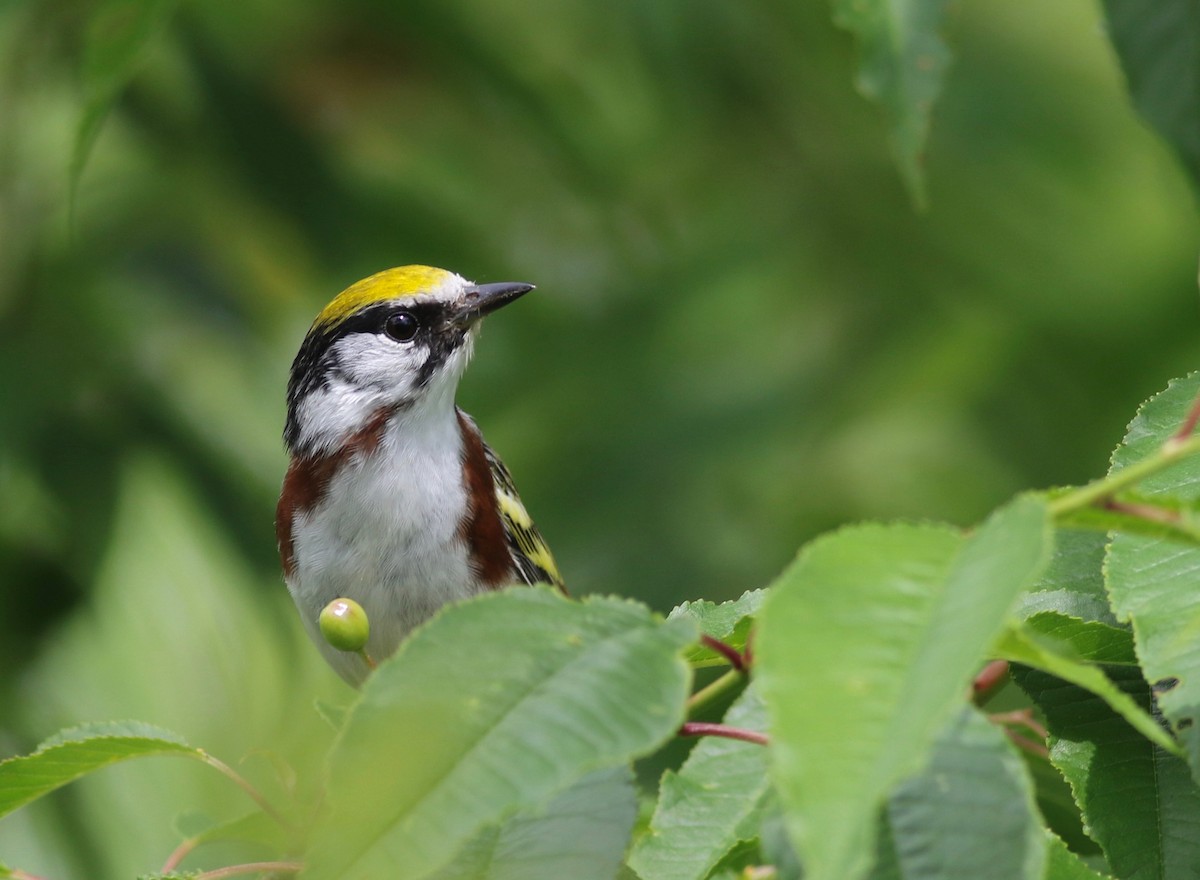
(703,205)
(71,754)
(467,738)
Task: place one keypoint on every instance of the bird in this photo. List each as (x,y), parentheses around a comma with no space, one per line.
(391,497)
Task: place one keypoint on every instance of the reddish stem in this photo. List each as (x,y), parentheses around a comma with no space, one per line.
(704,728)
(989,680)
(178,856)
(1144,511)
(730,653)
(1189,424)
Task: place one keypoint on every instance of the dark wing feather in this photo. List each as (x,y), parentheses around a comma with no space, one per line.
(530,554)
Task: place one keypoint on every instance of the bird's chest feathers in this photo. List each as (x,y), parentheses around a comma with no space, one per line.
(390,519)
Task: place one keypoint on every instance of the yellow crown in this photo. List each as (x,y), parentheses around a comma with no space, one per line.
(385,285)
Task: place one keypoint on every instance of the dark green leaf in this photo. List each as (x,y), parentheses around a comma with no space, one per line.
(901,65)
(711,804)
(881,627)
(1073,582)
(581,834)
(1090,640)
(494,707)
(1138,802)
(1019,645)
(1158,42)
(971,812)
(73,753)
(1152,581)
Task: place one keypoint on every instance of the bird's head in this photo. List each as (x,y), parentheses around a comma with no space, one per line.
(398,340)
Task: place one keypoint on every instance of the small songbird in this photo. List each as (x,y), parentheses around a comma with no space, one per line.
(392,498)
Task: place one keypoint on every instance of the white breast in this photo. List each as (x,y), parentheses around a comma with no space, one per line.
(386,534)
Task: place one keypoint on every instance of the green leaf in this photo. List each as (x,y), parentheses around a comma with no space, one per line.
(1088,640)
(1062,864)
(581,834)
(494,707)
(1018,645)
(1138,802)
(971,812)
(73,753)
(729,621)
(1152,581)
(901,65)
(1158,42)
(1073,582)
(882,627)
(118,35)
(711,804)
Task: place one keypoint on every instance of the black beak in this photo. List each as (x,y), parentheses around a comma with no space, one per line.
(482,299)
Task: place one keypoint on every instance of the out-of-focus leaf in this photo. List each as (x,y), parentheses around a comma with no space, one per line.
(118,35)
(468,730)
(902,62)
(71,754)
(710,804)
(1158,42)
(256,827)
(581,834)
(1138,802)
(885,625)
(971,812)
(1152,581)
(1020,646)
(728,621)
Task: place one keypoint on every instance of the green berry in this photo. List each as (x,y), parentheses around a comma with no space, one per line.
(344,625)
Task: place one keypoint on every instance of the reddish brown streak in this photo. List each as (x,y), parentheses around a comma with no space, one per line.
(308,479)
(482,529)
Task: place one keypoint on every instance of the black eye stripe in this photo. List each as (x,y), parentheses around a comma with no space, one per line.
(402,325)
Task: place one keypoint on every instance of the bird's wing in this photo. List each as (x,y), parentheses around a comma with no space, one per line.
(530,553)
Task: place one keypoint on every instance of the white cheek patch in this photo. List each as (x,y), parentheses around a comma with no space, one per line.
(374,361)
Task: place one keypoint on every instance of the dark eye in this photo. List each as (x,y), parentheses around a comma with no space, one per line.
(401,326)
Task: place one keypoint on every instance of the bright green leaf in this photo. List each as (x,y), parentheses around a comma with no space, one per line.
(1062,864)
(1152,581)
(1138,802)
(1158,42)
(971,812)
(710,805)
(729,621)
(581,834)
(73,753)
(901,65)
(1018,645)
(881,627)
(494,707)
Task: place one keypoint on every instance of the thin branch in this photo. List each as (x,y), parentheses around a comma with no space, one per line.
(1023,718)
(703,728)
(716,688)
(1101,490)
(245,786)
(252,868)
(729,652)
(1029,745)
(1144,511)
(180,853)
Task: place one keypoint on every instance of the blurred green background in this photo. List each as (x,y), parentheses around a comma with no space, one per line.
(743,334)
